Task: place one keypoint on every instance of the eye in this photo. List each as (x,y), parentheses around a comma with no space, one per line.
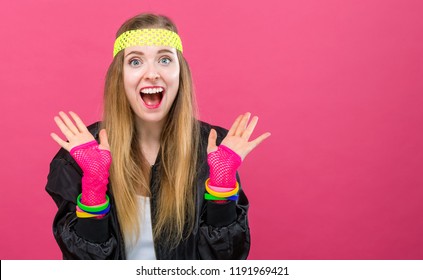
(135,62)
(165,60)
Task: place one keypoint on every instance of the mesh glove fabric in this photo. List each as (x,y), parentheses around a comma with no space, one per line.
(95,164)
(223,165)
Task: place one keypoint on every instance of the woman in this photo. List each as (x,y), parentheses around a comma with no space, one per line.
(171,190)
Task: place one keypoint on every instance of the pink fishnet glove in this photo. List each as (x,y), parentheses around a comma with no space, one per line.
(95,164)
(223,164)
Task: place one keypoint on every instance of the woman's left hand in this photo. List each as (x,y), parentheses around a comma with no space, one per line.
(238,136)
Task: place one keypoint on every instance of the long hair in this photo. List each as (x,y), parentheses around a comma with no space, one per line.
(174,216)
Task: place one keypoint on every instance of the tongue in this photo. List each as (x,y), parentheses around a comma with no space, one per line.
(151,99)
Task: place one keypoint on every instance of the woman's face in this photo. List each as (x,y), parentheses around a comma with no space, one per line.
(151,81)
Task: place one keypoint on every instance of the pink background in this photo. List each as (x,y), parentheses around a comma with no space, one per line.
(337,83)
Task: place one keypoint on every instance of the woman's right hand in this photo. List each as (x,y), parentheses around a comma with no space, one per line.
(76,133)
(94,159)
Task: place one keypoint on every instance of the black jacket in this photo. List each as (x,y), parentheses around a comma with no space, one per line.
(220,232)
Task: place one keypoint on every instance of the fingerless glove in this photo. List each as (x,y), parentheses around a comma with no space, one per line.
(95,165)
(223,165)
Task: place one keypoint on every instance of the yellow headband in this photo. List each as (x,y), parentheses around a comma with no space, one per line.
(147,37)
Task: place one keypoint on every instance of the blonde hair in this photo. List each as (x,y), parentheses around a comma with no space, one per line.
(175,212)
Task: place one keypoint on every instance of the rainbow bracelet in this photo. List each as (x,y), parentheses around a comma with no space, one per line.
(95,208)
(220,189)
(86,215)
(105,211)
(208,196)
(82,214)
(222,194)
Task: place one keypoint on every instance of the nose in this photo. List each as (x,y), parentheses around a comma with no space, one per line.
(152,73)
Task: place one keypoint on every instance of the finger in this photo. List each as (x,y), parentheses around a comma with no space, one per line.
(234,125)
(68,123)
(60,141)
(250,128)
(259,139)
(79,123)
(211,146)
(104,142)
(242,124)
(63,128)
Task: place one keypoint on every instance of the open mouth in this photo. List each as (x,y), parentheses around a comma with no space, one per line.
(152,96)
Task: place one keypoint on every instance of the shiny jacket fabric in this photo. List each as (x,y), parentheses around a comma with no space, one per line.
(221,231)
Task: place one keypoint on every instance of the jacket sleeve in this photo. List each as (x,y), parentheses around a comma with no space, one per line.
(77,238)
(224,230)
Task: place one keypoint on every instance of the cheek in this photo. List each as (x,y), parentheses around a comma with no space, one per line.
(129,94)
(130,82)
(129,86)
(172,75)
(174,79)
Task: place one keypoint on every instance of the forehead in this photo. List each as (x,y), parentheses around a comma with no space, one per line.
(150,50)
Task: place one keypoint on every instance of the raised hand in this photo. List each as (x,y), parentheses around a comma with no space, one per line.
(93,159)
(238,136)
(76,132)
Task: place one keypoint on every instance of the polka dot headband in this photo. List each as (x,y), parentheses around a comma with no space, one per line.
(147,37)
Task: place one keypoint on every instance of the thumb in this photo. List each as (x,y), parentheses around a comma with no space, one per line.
(211,146)
(104,143)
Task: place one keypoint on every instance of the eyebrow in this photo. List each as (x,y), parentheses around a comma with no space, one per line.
(159,52)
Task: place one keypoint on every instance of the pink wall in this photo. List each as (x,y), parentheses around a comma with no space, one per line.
(338,83)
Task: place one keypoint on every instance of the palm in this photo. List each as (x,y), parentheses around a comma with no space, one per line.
(76,132)
(238,136)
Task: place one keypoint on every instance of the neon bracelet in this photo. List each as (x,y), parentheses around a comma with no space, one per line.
(221,189)
(94,208)
(221,194)
(105,211)
(85,215)
(208,196)
(92,213)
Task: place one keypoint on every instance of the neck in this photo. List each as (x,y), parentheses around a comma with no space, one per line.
(149,139)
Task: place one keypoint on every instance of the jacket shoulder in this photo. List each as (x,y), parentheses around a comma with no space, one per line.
(94,129)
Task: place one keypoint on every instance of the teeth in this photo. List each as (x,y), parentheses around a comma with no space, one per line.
(151,90)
